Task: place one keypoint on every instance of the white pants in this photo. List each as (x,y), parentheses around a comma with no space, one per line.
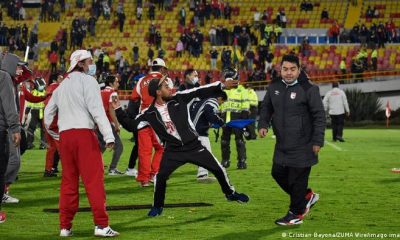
(205,141)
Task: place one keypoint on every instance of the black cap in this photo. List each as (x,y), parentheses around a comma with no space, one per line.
(230,72)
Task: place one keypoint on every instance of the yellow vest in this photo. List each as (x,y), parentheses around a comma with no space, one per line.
(106,59)
(268,29)
(253,98)
(374,54)
(278,30)
(39,105)
(343,65)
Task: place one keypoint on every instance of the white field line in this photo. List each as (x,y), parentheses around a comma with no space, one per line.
(334,146)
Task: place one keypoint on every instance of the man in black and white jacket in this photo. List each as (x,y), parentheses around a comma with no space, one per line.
(169,116)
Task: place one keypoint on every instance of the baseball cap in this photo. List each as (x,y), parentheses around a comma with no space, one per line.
(158,62)
(78,56)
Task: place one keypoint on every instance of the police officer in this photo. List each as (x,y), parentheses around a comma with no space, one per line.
(36,111)
(235,107)
(253,101)
(293,106)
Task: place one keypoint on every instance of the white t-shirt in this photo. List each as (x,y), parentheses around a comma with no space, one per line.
(169,125)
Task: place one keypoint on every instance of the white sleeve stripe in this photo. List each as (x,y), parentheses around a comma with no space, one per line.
(195,89)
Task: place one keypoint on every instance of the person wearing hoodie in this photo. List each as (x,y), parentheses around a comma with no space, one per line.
(9,119)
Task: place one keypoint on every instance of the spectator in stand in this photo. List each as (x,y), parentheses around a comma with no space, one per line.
(334,32)
(376,13)
(305,48)
(135,51)
(106,61)
(139,13)
(158,39)
(150,53)
(369,13)
(53,59)
(121,21)
(182,16)
(343,69)
(324,14)
(306,6)
(363,34)
(283,19)
(357,69)
(179,48)
(106,10)
(92,26)
(152,11)
(381,35)
(227,11)
(213,36)
(213,57)
(250,59)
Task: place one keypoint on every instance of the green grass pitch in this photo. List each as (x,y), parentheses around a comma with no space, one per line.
(358,194)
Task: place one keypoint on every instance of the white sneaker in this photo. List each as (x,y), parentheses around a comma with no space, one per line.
(8,199)
(114,172)
(105,232)
(65,232)
(131,172)
(206,179)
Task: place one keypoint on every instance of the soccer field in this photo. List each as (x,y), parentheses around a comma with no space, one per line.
(358,195)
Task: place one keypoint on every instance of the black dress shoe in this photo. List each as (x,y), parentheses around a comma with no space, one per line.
(340,139)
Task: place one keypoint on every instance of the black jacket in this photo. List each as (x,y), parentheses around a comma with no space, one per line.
(204,113)
(179,113)
(298,120)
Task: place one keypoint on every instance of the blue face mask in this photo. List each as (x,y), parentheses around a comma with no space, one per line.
(40,88)
(92,70)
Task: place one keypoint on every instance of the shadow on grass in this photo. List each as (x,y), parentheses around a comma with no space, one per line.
(390,180)
(254,235)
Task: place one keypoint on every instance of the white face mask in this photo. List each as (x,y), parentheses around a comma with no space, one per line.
(195,80)
(92,70)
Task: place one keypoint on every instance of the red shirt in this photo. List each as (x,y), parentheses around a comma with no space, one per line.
(107,95)
(141,92)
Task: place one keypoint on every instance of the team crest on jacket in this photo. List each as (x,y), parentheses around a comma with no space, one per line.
(276,92)
(292,95)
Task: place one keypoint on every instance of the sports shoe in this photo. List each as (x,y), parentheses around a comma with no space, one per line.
(65,232)
(49,174)
(145,184)
(105,232)
(205,179)
(238,197)
(290,219)
(8,199)
(226,163)
(114,172)
(312,198)
(241,165)
(154,212)
(153,178)
(131,172)
(2,217)
(396,170)
(55,170)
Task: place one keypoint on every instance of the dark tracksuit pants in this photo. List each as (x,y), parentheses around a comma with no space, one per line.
(294,181)
(337,126)
(3,160)
(35,120)
(134,153)
(196,154)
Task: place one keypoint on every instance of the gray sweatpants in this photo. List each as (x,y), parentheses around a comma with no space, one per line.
(117,150)
(14,162)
